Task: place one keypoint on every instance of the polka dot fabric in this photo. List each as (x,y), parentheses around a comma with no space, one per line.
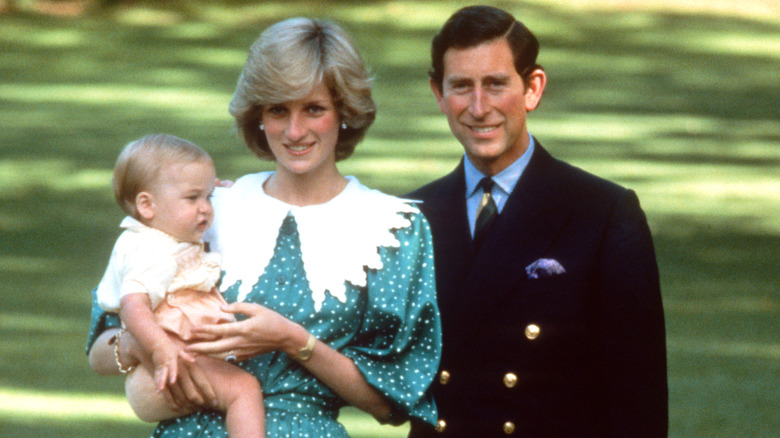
(390,328)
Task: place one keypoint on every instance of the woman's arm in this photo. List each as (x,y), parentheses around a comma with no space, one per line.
(265,331)
(191,389)
(101,355)
(340,374)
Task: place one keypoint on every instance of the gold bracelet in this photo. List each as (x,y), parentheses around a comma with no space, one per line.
(122,368)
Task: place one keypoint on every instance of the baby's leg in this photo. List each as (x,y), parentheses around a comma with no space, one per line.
(238,396)
(148,404)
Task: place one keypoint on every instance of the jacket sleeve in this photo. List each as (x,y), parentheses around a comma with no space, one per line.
(633,339)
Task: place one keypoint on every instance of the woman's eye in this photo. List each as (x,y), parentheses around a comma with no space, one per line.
(316,109)
(275,110)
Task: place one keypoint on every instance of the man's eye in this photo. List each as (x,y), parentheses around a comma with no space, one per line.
(496,85)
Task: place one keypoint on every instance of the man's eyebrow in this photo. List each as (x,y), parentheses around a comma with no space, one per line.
(458,79)
(502,77)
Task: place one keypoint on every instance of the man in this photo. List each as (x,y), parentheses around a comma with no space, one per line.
(548,288)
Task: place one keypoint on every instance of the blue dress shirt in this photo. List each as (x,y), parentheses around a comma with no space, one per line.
(505,182)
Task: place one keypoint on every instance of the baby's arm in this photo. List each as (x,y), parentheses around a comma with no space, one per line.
(136,313)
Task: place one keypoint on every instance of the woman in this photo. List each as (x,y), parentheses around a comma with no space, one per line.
(332,282)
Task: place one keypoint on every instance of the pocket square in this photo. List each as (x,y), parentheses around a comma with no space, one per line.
(544,268)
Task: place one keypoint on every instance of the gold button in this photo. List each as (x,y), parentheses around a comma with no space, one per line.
(532,331)
(444,377)
(440,426)
(509,428)
(510,380)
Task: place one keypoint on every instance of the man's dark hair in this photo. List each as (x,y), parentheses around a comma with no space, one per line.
(474,25)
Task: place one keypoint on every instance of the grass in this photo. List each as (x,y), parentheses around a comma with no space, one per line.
(679,104)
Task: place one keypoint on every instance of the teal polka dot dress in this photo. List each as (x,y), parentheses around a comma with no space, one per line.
(381,312)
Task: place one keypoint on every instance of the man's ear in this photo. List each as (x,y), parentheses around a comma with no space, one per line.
(534,89)
(437,93)
(144,203)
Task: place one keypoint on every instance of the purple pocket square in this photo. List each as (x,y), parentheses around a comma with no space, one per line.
(544,268)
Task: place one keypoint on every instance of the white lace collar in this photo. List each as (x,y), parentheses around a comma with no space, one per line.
(338,238)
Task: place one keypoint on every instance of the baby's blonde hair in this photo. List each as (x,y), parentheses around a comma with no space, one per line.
(140,162)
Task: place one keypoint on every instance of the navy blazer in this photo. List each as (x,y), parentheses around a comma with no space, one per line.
(580,354)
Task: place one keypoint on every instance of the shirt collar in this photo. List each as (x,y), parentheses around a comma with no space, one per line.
(507,179)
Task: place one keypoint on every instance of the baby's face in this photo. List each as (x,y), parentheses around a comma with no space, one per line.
(182,200)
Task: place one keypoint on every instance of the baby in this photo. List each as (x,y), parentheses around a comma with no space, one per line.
(162,282)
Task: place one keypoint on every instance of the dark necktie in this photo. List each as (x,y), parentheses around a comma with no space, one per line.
(486,212)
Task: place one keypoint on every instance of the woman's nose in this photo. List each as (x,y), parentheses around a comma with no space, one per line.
(296,127)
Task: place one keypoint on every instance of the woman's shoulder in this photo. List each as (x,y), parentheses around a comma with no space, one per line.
(369,199)
(244,185)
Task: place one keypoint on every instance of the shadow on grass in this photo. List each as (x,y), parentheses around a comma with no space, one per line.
(679,94)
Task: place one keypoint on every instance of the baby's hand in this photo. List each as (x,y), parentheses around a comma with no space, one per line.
(165,357)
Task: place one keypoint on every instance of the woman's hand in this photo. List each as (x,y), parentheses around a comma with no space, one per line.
(263,331)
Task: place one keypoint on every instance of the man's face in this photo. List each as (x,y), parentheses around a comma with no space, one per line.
(486,103)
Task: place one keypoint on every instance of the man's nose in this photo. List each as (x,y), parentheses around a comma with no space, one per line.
(479,106)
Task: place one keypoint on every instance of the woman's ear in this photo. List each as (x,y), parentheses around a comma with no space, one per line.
(144,203)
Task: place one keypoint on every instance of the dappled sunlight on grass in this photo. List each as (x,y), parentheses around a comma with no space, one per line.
(37,405)
(56,39)
(404,15)
(727,8)
(11,265)
(358,426)
(140,16)
(742,304)
(38,323)
(678,105)
(58,175)
(195,101)
(734,348)
(215,57)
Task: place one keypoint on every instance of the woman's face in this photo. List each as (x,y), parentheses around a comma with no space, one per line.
(302,133)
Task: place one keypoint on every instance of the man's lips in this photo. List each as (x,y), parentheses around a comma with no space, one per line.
(483,129)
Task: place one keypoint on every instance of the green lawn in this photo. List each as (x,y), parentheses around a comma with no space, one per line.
(680,105)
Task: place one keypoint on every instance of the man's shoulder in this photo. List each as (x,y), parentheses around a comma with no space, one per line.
(577,180)
(435,188)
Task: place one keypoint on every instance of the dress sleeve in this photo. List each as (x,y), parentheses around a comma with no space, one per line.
(398,346)
(99,321)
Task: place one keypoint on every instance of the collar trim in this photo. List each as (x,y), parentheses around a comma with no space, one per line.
(339,238)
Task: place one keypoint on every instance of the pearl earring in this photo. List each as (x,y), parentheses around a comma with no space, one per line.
(343,125)
(262,127)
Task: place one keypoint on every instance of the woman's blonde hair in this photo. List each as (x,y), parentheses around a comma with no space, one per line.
(140,162)
(286,63)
